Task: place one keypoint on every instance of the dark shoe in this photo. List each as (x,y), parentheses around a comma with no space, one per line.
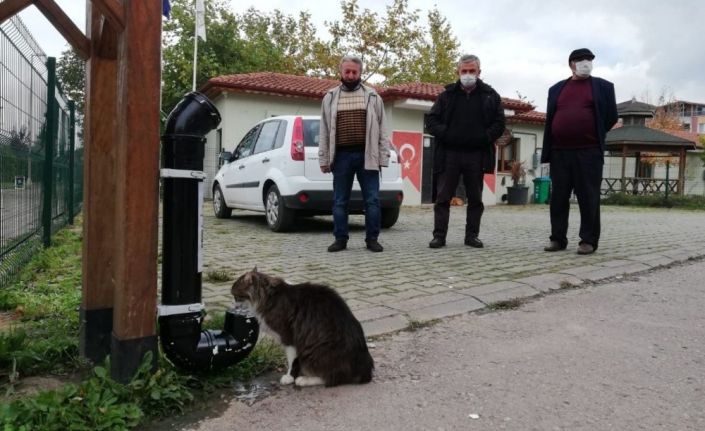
(373,245)
(437,242)
(554,246)
(474,242)
(586,248)
(338,245)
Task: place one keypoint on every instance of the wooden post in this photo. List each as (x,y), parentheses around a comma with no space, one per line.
(137,197)
(100,214)
(681,172)
(624,168)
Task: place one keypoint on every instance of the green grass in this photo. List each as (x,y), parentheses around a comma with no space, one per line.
(217,276)
(45,298)
(690,202)
(509,304)
(44,341)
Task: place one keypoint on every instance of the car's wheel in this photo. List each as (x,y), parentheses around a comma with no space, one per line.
(279,218)
(389,216)
(219,208)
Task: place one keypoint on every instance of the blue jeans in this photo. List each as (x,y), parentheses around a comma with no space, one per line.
(347,165)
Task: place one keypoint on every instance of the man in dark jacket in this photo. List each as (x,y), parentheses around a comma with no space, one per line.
(580,112)
(466,120)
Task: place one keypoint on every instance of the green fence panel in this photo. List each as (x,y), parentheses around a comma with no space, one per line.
(41,173)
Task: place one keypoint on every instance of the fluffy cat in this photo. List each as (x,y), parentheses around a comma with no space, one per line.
(323,341)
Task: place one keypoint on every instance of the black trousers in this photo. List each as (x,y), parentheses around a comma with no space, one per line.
(580,171)
(469,165)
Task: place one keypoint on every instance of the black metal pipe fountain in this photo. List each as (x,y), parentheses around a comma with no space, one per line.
(181,312)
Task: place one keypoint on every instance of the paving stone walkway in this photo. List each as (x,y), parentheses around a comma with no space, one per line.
(410,283)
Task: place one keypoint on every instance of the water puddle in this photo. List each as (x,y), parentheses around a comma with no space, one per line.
(254,391)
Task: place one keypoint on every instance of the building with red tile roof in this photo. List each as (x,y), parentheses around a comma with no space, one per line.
(245,99)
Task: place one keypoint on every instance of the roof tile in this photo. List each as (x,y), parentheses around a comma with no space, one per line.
(315,88)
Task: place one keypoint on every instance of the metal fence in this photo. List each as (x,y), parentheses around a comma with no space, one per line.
(40,169)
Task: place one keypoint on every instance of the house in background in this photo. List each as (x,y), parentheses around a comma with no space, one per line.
(691,114)
(245,99)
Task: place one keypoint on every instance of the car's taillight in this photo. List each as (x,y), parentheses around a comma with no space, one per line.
(297,140)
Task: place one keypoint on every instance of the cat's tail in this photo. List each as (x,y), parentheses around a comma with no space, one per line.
(365,367)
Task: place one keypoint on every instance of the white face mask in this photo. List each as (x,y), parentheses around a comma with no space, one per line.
(583,68)
(468,80)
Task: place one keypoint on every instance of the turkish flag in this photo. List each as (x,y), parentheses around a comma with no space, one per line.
(408,144)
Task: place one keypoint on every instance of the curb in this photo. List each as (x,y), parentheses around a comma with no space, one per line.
(406,315)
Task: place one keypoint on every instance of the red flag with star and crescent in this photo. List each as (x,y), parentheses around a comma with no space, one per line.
(408,144)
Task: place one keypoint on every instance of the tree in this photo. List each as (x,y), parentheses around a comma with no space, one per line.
(394,47)
(20,141)
(438,52)
(71,74)
(251,42)
(667,113)
(383,44)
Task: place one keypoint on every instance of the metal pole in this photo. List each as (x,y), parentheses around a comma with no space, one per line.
(49,137)
(72,149)
(195,52)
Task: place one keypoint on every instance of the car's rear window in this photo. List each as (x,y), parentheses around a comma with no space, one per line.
(311,132)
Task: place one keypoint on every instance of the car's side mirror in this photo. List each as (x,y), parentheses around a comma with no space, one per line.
(226,156)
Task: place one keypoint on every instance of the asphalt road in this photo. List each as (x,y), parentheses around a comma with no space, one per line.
(628,354)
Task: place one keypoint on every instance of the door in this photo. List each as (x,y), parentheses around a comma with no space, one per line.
(256,165)
(234,184)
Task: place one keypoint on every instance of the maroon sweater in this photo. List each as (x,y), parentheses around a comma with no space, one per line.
(573,126)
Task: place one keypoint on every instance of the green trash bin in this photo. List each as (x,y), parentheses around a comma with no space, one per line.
(542,189)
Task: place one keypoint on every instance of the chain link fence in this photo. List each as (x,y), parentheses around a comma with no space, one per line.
(41,175)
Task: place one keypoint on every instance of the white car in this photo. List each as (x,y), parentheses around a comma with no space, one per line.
(274,169)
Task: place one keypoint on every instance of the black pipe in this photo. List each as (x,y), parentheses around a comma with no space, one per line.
(181,313)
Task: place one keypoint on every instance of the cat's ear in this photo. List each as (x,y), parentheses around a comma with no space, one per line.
(255,269)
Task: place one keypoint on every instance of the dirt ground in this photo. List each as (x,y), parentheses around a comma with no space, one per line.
(623,355)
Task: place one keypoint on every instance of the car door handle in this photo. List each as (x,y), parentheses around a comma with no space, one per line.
(241,167)
(265,160)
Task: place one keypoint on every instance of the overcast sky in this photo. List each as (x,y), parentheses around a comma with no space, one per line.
(646,47)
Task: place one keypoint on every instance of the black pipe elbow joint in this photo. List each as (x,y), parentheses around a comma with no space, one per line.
(194,350)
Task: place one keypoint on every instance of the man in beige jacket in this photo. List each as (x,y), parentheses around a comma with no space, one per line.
(353,143)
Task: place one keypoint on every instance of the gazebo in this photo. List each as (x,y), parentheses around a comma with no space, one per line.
(635,140)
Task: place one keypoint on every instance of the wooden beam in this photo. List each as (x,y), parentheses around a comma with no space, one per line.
(624,168)
(9,8)
(137,192)
(65,26)
(681,172)
(99,209)
(113,10)
(105,40)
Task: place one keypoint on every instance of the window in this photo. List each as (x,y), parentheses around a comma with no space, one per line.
(312,131)
(281,133)
(267,137)
(247,144)
(507,155)
(701,128)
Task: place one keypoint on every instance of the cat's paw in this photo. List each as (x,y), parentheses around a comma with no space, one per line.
(286,379)
(308,381)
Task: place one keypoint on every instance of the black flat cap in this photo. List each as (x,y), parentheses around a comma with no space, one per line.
(580,54)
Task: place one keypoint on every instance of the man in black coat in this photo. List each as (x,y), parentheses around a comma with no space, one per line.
(580,112)
(466,120)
